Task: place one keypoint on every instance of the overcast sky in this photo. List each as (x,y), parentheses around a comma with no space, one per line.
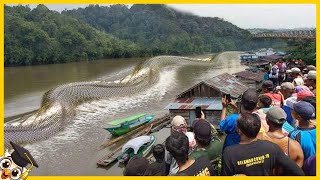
(244,16)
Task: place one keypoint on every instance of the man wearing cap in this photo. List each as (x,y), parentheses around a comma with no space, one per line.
(303,94)
(311,81)
(206,146)
(276,117)
(287,90)
(254,157)
(267,89)
(305,134)
(288,77)
(297,78)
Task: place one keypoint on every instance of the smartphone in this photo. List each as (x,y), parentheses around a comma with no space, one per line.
(198,112)
(228,97)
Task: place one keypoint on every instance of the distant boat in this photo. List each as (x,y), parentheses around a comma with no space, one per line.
(122,126)
(137,147)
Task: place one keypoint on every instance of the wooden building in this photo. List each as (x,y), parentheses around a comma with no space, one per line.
(252,79)
(206,94)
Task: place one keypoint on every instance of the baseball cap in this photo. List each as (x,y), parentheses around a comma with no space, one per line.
(178,121)
(304,93)
(311,75)
(305,110)
(287,85)
(267,84)
(276,115)
(290,102)
(288,71)
(137,166)
(298,81)
(311,67)
(202,129)
(295,70)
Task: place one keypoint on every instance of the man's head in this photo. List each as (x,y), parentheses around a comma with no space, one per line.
(178,146)
(249,100)
(264,101)
(178,123)
(249,125)
(137,166)
(202,131)
(311,79)
(276,117)
(158,152)
(295,72)
(298,81)
(311,68)
(303,111)
(303,94)
(267,86)
(287,89)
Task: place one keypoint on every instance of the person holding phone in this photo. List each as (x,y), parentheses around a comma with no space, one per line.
(228,124)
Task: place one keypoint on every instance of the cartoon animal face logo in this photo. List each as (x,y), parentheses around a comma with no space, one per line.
(8,169)
(14,166)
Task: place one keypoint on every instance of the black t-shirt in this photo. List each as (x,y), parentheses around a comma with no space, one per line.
(201,167)
(257,159)
(159,169)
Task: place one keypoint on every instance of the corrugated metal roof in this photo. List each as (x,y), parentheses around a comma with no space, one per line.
(256,76)
(227,84)
(192,103)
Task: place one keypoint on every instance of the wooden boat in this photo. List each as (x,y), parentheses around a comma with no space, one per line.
(122,126)
(139,146)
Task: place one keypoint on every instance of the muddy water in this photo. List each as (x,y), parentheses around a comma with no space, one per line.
(74,151)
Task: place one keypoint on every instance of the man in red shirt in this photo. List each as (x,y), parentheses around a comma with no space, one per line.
(267,89)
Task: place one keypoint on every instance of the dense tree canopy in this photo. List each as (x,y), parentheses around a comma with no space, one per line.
(305,50)
(41,36)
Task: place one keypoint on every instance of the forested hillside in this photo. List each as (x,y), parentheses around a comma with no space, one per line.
(161,29)
(41,36)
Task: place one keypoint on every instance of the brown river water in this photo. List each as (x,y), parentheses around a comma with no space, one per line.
(75,150)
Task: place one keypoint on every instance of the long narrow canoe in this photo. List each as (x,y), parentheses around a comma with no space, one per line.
(123,126)
(123,121)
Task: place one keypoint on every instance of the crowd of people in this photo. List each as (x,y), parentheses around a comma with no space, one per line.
(271,133)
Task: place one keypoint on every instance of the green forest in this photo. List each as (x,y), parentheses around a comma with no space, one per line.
(41,36)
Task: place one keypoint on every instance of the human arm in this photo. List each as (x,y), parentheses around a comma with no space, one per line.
(234,106)
(296,153)
(224,108)
(289,166)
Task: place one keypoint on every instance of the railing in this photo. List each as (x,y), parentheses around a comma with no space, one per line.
(296,34)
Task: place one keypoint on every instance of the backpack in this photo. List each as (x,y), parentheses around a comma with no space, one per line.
(274,70)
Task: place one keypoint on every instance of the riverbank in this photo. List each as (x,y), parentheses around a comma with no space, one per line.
(78,142)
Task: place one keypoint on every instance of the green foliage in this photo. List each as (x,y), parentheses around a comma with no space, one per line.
(304,49)
(41,36)
(159,29)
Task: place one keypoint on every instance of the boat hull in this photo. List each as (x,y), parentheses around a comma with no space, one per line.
(142,152)
(125,128)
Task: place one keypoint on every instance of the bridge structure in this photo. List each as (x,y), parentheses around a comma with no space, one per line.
(290,34)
